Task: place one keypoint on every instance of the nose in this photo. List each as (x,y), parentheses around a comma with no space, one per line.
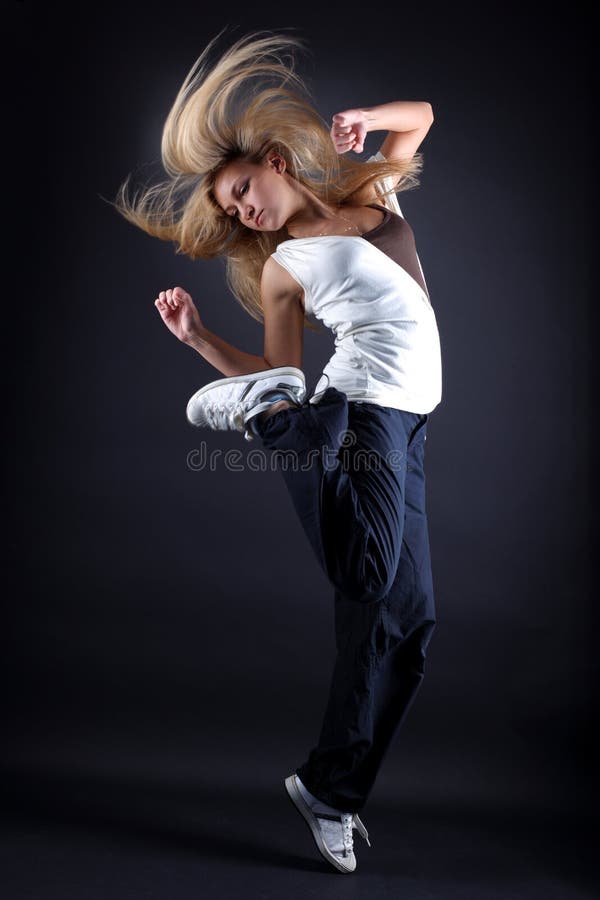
(249,213)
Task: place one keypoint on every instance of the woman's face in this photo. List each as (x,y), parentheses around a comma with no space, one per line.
(257,194)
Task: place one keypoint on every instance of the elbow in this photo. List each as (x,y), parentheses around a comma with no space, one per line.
(428,111)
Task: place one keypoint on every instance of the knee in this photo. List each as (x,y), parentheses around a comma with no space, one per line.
(363,576)
(375,590)
(377,578)
(366,590)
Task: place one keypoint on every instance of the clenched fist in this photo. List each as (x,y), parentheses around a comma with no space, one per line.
(178,312)
(349,130)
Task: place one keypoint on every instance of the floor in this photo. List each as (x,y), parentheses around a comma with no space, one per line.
(78,837)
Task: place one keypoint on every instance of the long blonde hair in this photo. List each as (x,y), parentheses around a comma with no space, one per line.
(217,117)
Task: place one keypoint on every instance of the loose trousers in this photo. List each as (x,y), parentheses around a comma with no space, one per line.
(355,474)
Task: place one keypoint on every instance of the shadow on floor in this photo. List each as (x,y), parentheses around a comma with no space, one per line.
(255,839)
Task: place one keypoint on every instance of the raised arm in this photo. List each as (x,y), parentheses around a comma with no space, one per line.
(406,121)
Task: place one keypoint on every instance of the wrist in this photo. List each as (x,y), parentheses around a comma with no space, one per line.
(370,119)
(197,340)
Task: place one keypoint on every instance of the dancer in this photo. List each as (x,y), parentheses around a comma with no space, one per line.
(311,234)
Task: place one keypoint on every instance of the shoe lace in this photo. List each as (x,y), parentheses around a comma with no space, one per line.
(359,825)
(347,825)
(348,821)
(231,415)
(219,415)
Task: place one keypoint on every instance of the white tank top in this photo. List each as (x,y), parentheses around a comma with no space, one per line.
(387,346)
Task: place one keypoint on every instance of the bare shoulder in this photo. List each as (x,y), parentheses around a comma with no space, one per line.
(278,284)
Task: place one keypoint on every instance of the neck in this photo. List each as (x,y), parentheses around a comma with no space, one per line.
(310,215)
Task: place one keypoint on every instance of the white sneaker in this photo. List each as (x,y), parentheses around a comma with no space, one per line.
(332,832)
(230,403)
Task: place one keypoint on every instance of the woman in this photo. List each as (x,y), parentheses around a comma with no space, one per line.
(311,235)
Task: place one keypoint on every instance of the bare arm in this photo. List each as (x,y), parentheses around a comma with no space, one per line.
(224,356)
(283,323)
(284,315)
(406,121)
(179,313)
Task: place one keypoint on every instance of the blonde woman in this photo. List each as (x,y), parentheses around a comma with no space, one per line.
(312,234)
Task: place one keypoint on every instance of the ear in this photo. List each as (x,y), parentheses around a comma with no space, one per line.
(278,162)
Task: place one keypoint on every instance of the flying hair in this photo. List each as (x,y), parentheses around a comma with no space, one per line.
(248,103)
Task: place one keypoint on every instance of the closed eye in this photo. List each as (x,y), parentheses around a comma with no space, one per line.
(242,190)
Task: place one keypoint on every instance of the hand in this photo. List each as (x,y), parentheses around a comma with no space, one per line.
(349,130)
(179,314)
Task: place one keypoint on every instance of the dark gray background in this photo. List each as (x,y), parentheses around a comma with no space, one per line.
(172,625)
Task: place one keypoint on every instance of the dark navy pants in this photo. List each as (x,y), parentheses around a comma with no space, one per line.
(355,474)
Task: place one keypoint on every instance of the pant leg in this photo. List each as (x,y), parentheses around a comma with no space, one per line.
(346,481)
(379,666)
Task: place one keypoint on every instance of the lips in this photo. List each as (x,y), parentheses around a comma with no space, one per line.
(259,216)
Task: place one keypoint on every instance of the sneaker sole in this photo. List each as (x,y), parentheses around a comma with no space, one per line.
(289,372)
(307,814)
